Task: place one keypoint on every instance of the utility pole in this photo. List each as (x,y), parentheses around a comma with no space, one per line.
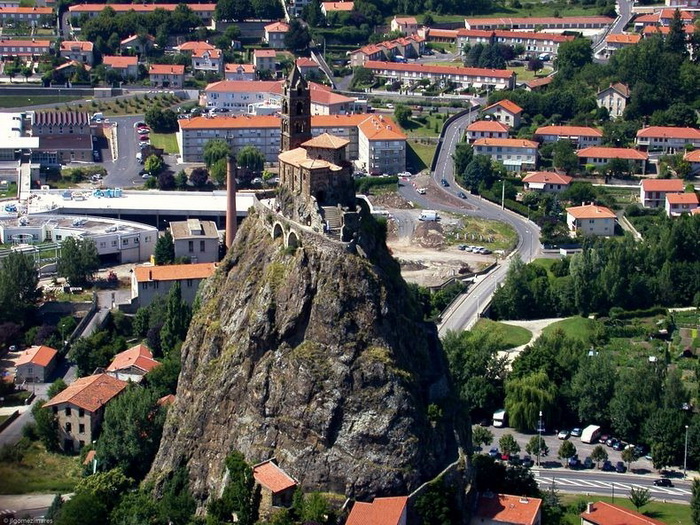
(685,457)
(503,193)
(539,439)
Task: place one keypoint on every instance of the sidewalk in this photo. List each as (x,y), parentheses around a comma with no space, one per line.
(8,411)
(25,502)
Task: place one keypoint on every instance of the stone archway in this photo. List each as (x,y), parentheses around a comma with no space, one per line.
(277,231)
(293,240)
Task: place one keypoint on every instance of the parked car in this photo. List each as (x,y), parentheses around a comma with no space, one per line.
(607,466)
(527,462)
(144,138)
(505,457)
(640,450)
(663,482)
(604,438)
(563,434)
(610,441)
(576,432)
(494,453)
(140,125)
(514,459)
(421,191)
(462,247)
(461,195)
(574,462)
(620,467)
(588,462)
(618,445)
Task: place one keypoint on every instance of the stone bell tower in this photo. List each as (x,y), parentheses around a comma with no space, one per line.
(296,111)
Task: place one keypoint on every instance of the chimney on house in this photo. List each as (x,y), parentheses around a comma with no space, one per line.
(231,215)
(589,507)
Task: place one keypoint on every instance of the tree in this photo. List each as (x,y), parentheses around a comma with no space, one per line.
(106,486)
(46,425)
(402,113)
(535,64)
(675,39)
(565,156)
(313,15)
(618,168)
(298,37)
(83,509)
(250,158)
(537,446)
(526,396)
(599,454)
(268,9)
(238,495)
(479,171)
(154,165)
(78,261)
(56,388)
(436,504)
(481,436)
(181,180)
(695,501)
(566,450)
(199,177)
(27,72)
(161,120)
(54,508)
(166,181)
(131,432)
(629,456)
(639,497)
(177,320)
(215,150)
(463,155)
(594,380)
(508,445)
(572,56)
(95,351)
(18,287)
(164,251)
(237,10)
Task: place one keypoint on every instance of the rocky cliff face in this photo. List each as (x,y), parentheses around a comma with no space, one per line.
(318,358)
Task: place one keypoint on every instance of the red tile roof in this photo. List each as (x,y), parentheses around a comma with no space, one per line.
(664,30)
(175,272)
(119,62)
(134,38)
(245,86)
(138,8)
(439,70)
(305,62)
(89,457)
(692,156)
(165,69)
(4,42)
(195,45)
(623,39)
(669,185)
(612,153)
(539,82)
(492,126)
(541,177)
(12,10)
(233,68)
(669,132)
(338,6)
(443,33)
(506,104)
(201,53)
(544,21)
(525,35)
(327,141)
(649,18)
(508,143)
(139,356)
(272,477)
(90,393)
(607,514)
(382,511)
(581,131)
(476,33)
(265,53)
(380,128)
(277,27)
(72,45)
(590,211)
(621,88)
(682,198)
(503,508)
(166,400)
(37,355)
(668,14)
(408,20)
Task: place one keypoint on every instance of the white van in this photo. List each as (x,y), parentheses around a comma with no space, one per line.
(429,215)
(590,434)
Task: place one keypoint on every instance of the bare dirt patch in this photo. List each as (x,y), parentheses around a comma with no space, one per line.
(390,200)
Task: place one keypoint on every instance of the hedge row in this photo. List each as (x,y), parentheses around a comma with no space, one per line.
(364,184)
(618,313)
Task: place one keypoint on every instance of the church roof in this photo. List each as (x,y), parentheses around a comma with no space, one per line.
(296,78)
(326,141)
(298,157)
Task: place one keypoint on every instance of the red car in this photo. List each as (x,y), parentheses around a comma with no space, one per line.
(144,137)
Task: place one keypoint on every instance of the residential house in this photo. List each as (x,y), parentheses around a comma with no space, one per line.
(239,72)
(139,44)
(533,42)
(149,282)
(515,154)
(24,49)
(70,68)
(208,60)
(384,511)
(544,24)
(462,77)
(615,42)
(506,112)
(502,509)
(196,240)
(600,156)
(194,45)
(579,136)
(406,25)
(662,19)
(382,146)
(326,102)
(600,513)
(652,192)
(29,15)
(309,68)
(680,203)
(411,46)
(275,33)
(693,157)
(127,67)
(80,409)
(276,486)
(590,219)
(546,181)
(538,84)
(78,50)
(335,7)
(614,98)
(444,36)
(204,11)
(667,139)
(164,75)
(486,129)
(649,31)
(35,364)
(264,59)
(132,364)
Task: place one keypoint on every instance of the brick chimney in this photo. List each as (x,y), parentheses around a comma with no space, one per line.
(231,215)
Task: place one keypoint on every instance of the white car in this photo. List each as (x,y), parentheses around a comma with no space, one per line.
(389,106)
(421,191)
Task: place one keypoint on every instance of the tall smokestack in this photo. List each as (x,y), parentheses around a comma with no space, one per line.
(231,216)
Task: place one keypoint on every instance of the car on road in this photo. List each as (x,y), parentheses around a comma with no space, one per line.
(461,195)
(444,183)
(576,432)
(494,453)
(563,434)
(389,106)
(421,191)
(146,176)
(620,467)
(663,482)
(607,466)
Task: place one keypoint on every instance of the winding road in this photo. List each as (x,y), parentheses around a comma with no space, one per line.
(464,312)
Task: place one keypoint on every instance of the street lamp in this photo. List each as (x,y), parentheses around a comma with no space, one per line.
(685,457)
(539,439)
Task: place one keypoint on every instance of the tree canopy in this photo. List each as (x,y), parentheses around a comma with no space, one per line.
(78,261)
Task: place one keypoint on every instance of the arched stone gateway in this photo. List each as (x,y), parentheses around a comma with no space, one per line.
(293,240)
(277,231)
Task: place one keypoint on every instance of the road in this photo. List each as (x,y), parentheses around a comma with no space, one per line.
(624,14)
(465,311)
(124,172)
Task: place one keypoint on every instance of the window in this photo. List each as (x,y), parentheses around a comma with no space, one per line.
(69,427)
(68,411)
(144,286)
(190,246)
(81,412)
(81,429)
(201,246)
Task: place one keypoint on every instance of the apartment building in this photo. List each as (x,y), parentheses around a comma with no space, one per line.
(411,46)
(150,282)
(463,77)
(275,33)
(534,43)
(127,67)
(653,192)
(164,75)
(600,156)
(264,59)
(28,15)
(382,146)
(204,11)
(667,139)
(579,136)
(540,23)
(24,49)
(196,240)
(515,154)
(77,50)
(486,129)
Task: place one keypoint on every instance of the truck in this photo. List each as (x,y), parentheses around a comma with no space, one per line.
(590,434)
(500,418)
(429,215)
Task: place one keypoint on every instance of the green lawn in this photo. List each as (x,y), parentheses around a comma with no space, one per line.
(428,126)
(419,156)
(545,263)
(665,512)
(40,471)
(511,336)
(578,327)
(524,74)
(527,9)
(11,190)
(495,235)
(3,419)
(14,101)
(167,141)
